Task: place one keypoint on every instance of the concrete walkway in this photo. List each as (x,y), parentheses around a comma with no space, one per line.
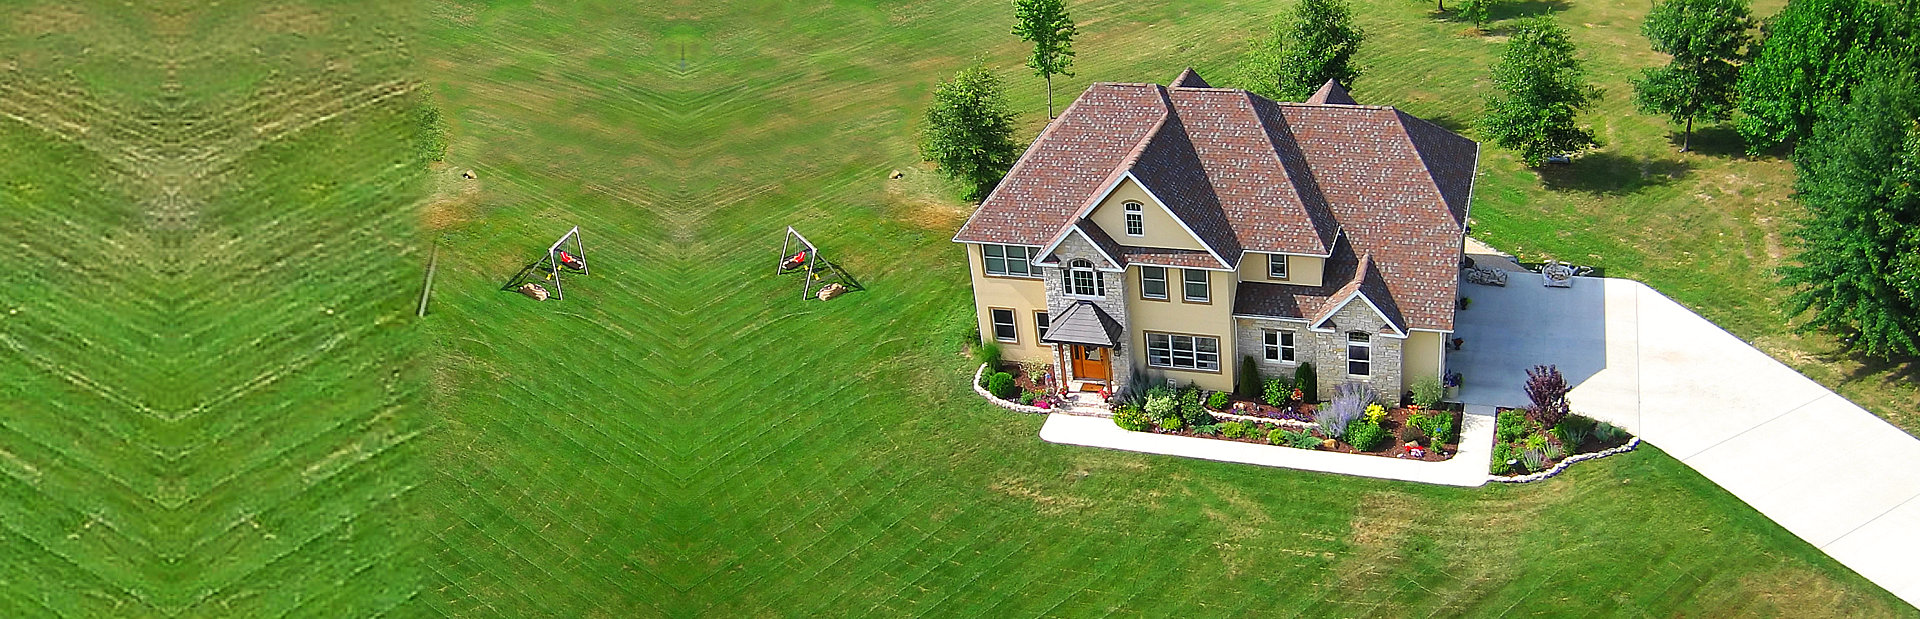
(1825,469)
(1467,468)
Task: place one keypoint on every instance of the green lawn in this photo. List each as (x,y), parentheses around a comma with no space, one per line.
(185,429)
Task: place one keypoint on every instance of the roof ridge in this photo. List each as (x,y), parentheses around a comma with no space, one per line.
(1426,168)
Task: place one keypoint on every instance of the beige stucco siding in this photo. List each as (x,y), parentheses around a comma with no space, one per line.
(1023,296)
(1161,229)
(1179,317)
(1422,357)
(1301,270)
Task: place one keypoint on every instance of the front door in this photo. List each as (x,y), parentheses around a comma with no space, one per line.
(1091,363)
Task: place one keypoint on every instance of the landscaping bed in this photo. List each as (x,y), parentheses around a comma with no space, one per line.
(1353,422)
(1522,446)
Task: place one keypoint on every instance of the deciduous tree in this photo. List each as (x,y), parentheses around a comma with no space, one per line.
(1707,39)
(1314,42)
(1045,24)
(1540,87)
(969,131)
(1812,55)
(1858,265)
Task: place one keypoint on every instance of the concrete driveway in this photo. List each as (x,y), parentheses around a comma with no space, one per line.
(1825,469)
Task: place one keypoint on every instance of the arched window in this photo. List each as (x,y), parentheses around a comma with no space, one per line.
(1136,226)
(1083,281)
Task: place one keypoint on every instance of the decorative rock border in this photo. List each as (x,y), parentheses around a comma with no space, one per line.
(1562,466)
(1009,405)
(1292,423)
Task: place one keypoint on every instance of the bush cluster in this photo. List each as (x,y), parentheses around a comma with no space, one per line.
(1219,400)
(1305,380)
(1001,385)
(1279,391)
(1191,409)
(1234,429)
(1131,419)
(1366,435)
(1435,426)
(1510,425)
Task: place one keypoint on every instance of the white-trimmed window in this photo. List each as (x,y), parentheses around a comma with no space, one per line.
(1276,266)
(1185,352)
(1083,281)
(1003,329)
(1359,354)
(1009,260)
(1153,282)
(1279,345)
(1136,222)
(1195,289)
(1040,323)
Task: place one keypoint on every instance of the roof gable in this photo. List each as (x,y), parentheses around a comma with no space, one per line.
(1331,93)
(1189,79)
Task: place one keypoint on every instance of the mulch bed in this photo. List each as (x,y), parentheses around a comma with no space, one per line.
(1592,444)
(1393,447)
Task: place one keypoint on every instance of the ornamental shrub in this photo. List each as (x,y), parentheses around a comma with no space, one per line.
(1001,385)
(1554,451)
(1376,414)
(1440,428)
(1212,429)
(1276,436)
(1427,392)
(1574,431)
(1365,436)
(1307,382)
(1219,400)
(1161,406)
(1233,429)
(1131,419)
(1535,461)
(1547,389)
(1349,403)
(1250,384)
(1510,425)
(1534,442)
(1172,424)
(1302,439)
(1609,433)
(1191,410)
(1502,452)
(1279,391)
(1027,398)
(989,353)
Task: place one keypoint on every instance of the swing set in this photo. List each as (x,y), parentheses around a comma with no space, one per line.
(829,277)
(549,267)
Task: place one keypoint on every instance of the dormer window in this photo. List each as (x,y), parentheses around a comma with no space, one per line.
(1083,281)
(1276,266)
(1136,224)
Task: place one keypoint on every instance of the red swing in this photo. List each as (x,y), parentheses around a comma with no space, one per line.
(793,262)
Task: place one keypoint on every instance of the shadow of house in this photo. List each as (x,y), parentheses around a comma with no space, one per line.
(1612,173)
(1510,329)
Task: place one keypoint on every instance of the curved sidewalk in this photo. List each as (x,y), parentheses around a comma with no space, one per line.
(1467,468)
(1825,469)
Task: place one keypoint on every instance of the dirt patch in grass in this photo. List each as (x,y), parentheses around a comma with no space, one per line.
(1801,592)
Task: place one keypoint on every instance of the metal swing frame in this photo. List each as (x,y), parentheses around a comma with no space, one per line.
(813,265)
(551,262)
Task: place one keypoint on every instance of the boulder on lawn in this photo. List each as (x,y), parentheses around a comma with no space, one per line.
(534,290)
(829,291)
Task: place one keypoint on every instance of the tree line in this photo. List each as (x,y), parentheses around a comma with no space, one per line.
(1833,83)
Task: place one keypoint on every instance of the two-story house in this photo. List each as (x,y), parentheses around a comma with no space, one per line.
(1155,232)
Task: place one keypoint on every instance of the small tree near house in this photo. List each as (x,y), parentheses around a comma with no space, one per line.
(1312,43)
(969,131)
(1547,390)
(1045,24)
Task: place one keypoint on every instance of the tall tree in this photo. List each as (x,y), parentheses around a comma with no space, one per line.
(969,131)
(1858,265)
(1045,24)
(1812,55)
(1314,42)
(1706,38)
(1540,87)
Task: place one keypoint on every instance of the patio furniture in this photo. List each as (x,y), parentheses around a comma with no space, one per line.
(1486,276)
(1557,274)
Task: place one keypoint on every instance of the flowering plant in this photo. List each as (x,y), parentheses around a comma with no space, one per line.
(1376,413)
(1298,396)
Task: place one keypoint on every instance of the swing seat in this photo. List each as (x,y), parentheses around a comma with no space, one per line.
(793,262)
(571,262)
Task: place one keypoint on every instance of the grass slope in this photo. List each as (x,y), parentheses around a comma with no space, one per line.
(210,384)
(684,437)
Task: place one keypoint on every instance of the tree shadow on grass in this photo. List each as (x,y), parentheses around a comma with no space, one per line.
(1502,11)
(1612,173)
(1449,122)
(1897,369)
(1724,141)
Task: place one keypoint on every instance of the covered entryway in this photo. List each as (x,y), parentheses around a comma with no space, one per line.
(1087,340)
(1092,363)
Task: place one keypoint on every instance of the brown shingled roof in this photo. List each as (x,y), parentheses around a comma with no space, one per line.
(1249,174)
(1331,93)
(1189,79)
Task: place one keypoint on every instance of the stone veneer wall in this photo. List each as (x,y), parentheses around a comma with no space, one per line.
(1327,351)
(1114,303)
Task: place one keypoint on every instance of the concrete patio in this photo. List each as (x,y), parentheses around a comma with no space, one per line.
(1820,466)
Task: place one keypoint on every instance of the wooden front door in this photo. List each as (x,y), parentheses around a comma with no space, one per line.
(1091,363)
